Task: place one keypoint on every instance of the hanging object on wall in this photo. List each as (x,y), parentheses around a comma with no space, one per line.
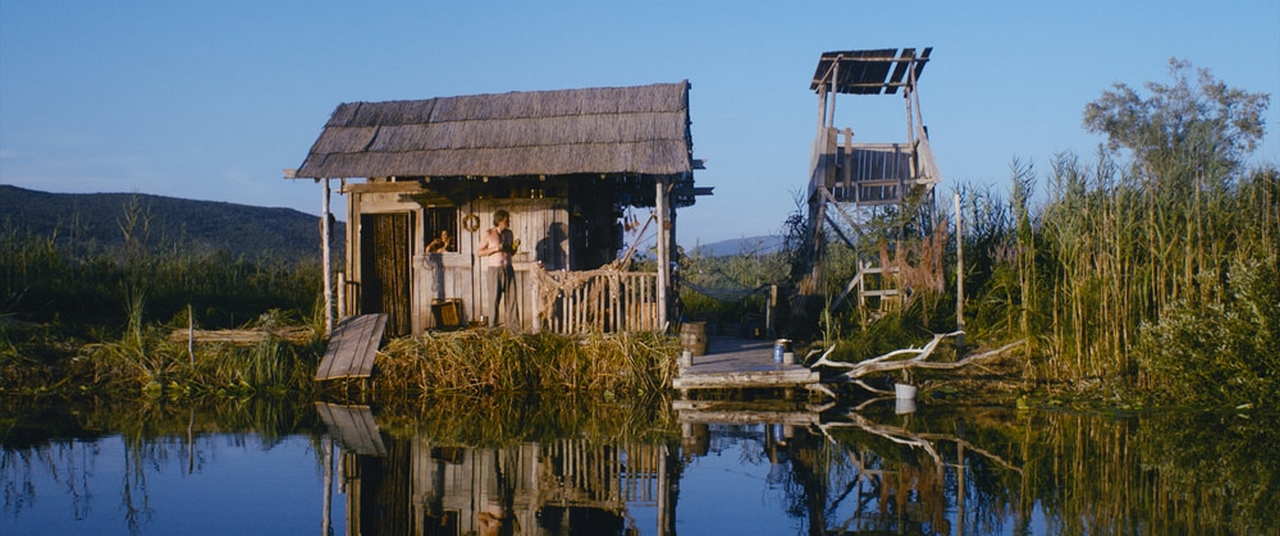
(471,222)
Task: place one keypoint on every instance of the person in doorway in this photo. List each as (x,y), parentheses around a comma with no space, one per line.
(498,245)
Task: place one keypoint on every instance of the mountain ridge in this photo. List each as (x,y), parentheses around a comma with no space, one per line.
(97,221)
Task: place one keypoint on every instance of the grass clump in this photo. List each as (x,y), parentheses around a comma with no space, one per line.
(498,360)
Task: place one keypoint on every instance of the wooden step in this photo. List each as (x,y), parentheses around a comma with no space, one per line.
(881,293)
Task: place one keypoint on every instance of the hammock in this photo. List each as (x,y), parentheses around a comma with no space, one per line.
(725,294)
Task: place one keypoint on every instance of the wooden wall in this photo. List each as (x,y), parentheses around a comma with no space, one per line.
(541,226)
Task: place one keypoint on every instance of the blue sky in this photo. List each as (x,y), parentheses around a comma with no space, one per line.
(210,100)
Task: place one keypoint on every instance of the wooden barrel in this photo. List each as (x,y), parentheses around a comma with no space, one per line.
(693,337)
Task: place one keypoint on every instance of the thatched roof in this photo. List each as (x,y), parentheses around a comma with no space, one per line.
(640,129)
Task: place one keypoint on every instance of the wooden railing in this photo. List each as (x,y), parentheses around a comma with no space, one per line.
(870,173)
(605,301)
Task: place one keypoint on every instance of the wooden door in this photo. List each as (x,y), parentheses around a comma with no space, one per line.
(386,250)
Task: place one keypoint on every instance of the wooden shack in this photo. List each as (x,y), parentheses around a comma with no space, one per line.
(564,165)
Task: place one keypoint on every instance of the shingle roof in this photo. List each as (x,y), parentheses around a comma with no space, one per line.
(639,129)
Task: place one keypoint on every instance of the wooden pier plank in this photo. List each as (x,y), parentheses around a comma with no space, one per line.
(737,363)
(352,347)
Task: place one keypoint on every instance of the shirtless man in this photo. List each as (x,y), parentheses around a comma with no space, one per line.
(498,246)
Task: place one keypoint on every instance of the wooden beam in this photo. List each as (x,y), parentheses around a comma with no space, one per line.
(384,187)
(840,233)
(843,215)
(873,59)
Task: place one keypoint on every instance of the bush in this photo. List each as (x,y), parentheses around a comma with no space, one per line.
(1225,352)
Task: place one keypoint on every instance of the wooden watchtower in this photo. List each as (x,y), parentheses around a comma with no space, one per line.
(851,179)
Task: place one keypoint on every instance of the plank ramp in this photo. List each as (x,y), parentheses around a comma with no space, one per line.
(732,363)
(352,347)
(353,427)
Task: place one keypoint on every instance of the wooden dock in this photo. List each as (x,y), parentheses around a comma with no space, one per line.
(732,363)
(352,347)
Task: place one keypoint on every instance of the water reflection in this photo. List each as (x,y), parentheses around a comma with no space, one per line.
(563,487)
(701,467)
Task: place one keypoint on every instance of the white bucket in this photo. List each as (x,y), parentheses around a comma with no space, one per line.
(903,406)
(904,392)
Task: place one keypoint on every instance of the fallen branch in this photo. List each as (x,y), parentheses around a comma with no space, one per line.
(886,362)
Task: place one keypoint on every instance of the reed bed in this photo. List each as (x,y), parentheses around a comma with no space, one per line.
(56,279)
(497,360)
(1111,252)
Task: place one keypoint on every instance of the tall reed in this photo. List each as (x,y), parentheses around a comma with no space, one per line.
(1110,250)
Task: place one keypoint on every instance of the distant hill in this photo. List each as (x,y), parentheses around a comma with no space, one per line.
(92,222)
(738,246)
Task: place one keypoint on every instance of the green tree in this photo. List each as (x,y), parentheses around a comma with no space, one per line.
(1203,127)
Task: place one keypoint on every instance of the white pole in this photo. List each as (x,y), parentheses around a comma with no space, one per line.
(324,259)
(664,256)
(326,507)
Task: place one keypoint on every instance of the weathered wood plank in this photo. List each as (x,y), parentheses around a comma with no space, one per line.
(242,337)
(352,348)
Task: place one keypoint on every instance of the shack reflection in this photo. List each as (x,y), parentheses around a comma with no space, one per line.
(557,488)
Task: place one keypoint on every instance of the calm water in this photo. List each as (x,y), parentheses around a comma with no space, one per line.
(711,468)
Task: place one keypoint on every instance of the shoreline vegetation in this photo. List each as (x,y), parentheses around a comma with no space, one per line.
(1148,276)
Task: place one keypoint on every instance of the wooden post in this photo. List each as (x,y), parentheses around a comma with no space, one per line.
(324,259)
(822,109)
(960,485)
(772,303)
(835,91)
(342,296)
(959,264)
(911,126)
(663,497)
(664,254)
(191,336)
(915,98)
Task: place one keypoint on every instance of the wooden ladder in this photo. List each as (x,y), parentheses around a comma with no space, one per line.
(877,289)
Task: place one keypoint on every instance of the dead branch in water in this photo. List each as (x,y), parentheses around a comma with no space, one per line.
(924,441)
(886,362)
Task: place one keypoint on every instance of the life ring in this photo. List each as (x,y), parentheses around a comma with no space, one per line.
(471,222)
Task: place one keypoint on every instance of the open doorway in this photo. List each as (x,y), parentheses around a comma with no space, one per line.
(386,250)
